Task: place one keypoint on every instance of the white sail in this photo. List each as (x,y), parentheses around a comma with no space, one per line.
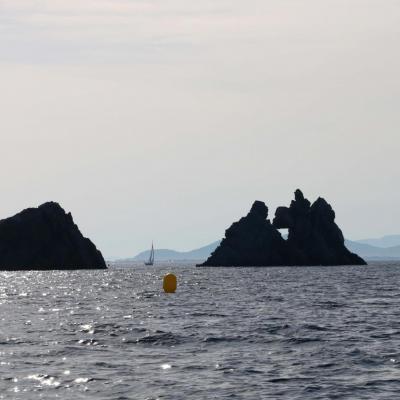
(151,258)
(152,254)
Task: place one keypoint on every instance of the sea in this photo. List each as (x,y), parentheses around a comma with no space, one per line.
(227,333)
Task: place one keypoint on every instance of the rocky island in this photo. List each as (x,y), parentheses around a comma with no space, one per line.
(46,238)
(313,238)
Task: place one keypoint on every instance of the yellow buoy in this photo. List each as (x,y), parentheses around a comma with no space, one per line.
(170,283)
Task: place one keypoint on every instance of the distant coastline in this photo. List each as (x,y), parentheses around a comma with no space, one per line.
(377,252)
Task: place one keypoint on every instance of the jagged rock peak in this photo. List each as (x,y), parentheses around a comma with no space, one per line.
(322,207)
(298,195)
(51,205)
(300,204)
(314,238)
(259,209)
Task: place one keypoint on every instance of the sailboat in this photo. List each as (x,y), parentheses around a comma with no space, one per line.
(150,261)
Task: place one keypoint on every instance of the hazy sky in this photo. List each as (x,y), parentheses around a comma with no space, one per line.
(165,119)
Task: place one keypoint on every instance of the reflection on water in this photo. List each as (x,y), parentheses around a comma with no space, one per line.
(245,333)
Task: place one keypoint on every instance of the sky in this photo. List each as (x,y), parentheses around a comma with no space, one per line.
(165,119)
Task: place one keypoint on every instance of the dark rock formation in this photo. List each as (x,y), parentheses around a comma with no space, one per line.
(314,238)
(251,241)
(45,238)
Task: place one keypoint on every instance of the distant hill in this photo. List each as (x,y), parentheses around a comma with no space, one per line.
(172,255)
(385,241)
(361,247)
(374,252)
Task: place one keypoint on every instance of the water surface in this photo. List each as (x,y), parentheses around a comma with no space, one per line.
(228,333)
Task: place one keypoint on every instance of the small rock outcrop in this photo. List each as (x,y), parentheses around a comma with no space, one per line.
(314,238)
(45,238)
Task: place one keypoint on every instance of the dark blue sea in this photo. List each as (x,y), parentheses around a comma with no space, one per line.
(228,333)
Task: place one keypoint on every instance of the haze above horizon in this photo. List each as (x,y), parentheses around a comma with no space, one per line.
(166,120)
